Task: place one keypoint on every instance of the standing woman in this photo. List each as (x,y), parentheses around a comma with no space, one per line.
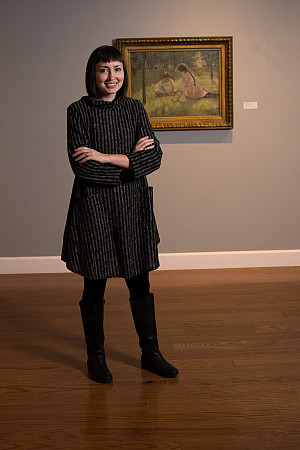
(111,229)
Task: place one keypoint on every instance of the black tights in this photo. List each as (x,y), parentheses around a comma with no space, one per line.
(138,287)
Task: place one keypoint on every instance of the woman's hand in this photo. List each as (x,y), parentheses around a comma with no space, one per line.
(83,154)
(143,143)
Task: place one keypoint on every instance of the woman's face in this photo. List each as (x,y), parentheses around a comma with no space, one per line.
(109,79)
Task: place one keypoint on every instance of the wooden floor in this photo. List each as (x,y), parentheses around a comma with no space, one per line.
(233,334)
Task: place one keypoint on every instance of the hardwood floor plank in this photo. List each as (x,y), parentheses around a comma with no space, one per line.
(234,334)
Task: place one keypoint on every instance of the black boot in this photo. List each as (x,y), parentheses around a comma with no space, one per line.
(143,314)
(92,320)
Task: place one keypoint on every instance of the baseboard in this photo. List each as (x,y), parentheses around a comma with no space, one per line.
(229,260)
(169,261)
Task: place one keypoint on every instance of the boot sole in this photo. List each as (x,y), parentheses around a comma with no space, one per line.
(100,380)
(163,375)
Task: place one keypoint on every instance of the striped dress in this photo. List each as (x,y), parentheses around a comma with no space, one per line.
(111,229)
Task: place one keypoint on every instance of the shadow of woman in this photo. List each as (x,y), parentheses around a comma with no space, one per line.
(31,328)
(48,332)
(122,357)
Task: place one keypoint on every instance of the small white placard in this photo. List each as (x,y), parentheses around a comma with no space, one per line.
(250,105)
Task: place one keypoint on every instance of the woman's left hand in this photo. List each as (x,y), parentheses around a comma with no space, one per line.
(143,143)
(83,154)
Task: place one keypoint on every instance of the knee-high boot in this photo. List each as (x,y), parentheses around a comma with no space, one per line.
(92,319)
(143,314)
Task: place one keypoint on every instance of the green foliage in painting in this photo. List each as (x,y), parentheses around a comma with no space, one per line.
(147,70)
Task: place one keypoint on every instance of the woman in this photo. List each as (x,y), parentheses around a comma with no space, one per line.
(189,86)
(111,229)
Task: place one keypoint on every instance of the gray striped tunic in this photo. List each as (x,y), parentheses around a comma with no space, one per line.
(111,229)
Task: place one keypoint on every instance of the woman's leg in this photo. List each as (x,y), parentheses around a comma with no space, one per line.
(92,314)
(93,291)
(143,313)
(139,285)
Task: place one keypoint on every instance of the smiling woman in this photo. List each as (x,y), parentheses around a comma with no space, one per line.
(109,79)
(111,229)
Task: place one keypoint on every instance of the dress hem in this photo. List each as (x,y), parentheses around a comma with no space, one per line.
(110,275)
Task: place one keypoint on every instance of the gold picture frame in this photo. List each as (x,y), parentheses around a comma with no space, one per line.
(183,83)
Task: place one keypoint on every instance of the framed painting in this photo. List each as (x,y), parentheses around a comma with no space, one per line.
(183,83)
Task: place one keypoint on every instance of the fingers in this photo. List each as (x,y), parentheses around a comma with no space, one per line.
(79,151)
(144,140)
(81,154)
(143,143)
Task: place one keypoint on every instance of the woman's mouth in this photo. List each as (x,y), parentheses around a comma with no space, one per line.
(111,85)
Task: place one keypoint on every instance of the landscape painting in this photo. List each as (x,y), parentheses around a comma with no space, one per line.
(181,82)
(177,83)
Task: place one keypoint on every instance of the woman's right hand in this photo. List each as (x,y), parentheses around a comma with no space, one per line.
(143,143)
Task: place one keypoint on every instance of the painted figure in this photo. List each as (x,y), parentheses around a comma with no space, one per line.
(189,87)
(165,87)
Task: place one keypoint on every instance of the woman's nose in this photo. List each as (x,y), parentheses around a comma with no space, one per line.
(110,75)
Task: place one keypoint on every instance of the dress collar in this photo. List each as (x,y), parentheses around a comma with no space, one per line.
(102,103)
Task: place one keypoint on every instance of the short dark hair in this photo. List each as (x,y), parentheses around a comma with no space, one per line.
(105,53)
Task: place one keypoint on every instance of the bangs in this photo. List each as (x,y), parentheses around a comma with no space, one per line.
(107,54)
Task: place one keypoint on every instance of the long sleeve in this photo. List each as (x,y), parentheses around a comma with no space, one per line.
(149,160)
(92,171)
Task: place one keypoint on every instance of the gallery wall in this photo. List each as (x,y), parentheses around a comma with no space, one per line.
(216,190)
